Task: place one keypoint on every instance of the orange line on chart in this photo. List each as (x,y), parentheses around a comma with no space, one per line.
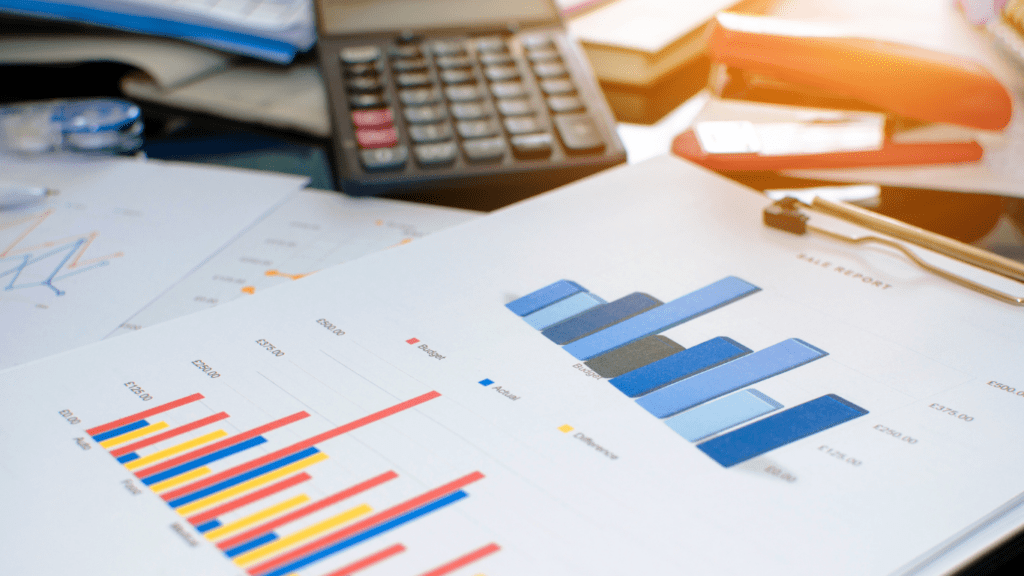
(36,220)
(292,276)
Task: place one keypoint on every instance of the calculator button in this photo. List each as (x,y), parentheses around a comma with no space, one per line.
(498,59)
(435,154)
(418,96)
(477,128)
(376,138)
(532,145)
(447,48)
(412,79)
(515,107)
(457,76)
(557,86)
(359,54)
(409,65)
(453,62)
(361,70)
(564,104)
(384,158)
(463,93)
(508,89)
(405,51)
(420,133)
(491,45)
(380,118)
(501,73)
(484,149)
(537,42)
(543,55)
(423,114)
(579,132)
(523,125)
(468,110)
(367,100)
(364,84)
(549,70)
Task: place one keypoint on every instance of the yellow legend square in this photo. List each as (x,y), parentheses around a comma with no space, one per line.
(565,428)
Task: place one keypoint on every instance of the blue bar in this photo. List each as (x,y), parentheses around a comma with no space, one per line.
(118,431)
(254,543)
(679,365)
(662,317)
(600,318)
(731,376)
(563,310)
(717,415)
(380,528)
(208,526)
(783,428)
(280,463)
(128,457)
(544,297)
(203,460)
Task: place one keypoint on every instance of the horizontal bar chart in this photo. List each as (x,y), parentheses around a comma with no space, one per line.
(544,297)
(739,373)
(662,318)
(703,356)
(717,415)
(562,310)
(780,429)
(600,317)
(632,356)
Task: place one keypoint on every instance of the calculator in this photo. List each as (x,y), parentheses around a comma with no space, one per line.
(481,95)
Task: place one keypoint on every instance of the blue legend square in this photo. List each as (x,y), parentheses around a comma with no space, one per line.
(487,381)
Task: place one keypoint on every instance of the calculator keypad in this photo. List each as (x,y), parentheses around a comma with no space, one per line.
(469,98)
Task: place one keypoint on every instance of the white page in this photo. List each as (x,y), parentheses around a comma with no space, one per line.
(310,231)
(554,502)
(117,234)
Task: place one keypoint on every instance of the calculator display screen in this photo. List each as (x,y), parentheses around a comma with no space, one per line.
(353,16)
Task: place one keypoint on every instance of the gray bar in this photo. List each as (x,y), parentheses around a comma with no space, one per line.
(632,356)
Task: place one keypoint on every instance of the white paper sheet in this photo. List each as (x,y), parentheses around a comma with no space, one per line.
(576,478)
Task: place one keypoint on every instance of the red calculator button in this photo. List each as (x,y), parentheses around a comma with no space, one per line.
(377,118)
(381,138)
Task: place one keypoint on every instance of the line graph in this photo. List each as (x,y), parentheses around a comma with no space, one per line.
(46,263)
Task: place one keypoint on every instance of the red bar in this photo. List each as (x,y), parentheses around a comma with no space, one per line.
(144,414)
(305,510)
(169,434)
(463,560)
(200,484)
(366,523)
(368,561)
(248,498)
(231,441)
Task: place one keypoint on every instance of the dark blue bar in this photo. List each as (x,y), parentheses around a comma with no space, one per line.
(128,457)
(600,318)
(118,431)
(545,296)
(202,461)
(254,543)
(368,534)
(679,365)
(280,463)
(208,526)
(783,428)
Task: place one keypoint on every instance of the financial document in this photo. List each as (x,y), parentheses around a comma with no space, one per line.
(629,375)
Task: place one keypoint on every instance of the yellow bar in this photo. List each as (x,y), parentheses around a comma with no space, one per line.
(177,449)
(304,534)
(179,480)
(256,518)
(250,484)
(144,431)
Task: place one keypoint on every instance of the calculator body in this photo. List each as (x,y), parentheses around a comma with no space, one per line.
(500,102)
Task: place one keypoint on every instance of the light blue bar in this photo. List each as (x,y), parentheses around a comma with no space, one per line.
(721,380)
(662,317)
(713,417)
(562,310)
(544,297)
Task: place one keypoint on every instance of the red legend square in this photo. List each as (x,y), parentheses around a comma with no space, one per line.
(412,340)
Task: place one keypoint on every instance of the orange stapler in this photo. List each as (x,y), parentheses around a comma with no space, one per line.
(904,81)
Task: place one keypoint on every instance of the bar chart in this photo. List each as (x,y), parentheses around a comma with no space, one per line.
(258,511)
(703,392)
